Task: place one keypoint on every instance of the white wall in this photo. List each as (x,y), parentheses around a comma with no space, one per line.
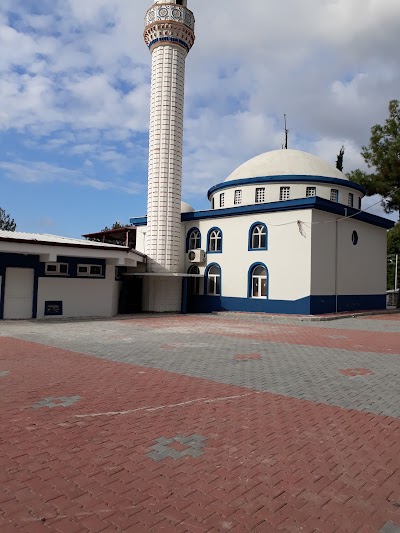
(361,268)
(162,294)
(272,193)
(81,297)
(288,257)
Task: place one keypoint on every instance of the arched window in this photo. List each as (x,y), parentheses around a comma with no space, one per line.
(194,283)
(258,281)
(213,280)
(193,239)
(258,237)
(214,241)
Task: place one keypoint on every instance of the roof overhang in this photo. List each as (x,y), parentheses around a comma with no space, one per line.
(314,202)
(49,251)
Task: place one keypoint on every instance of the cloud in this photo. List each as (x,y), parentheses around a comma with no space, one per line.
(43,172)
(75,81)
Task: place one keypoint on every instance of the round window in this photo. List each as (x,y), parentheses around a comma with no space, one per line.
(354,238)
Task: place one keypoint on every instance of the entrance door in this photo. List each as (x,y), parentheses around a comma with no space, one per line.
(130,298)
(19,293)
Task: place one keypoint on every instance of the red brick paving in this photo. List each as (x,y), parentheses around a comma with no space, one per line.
(354,372)
(344,339)
(271,463)
(247,357)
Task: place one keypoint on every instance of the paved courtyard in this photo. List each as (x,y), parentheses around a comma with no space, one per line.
(200,423)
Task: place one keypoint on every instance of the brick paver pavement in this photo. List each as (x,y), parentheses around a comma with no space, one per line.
(199,424)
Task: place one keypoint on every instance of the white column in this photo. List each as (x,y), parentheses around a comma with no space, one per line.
(165,157)
(169,34)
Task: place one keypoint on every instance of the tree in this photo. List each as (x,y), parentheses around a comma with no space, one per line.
(382,155)
(116,225)
(6,222)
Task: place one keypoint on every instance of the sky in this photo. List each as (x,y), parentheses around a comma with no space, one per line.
(75,89)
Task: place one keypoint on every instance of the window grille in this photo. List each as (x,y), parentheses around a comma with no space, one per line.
(311,191)
(260,195)
(334,195)
(222,199)
(285,194)
(238,197)
(350,201)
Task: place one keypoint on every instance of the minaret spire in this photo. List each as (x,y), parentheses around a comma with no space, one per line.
(169,35)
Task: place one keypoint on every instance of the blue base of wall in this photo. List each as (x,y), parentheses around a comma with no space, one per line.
(310,305)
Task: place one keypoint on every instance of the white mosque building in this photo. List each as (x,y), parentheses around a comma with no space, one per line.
(285,232)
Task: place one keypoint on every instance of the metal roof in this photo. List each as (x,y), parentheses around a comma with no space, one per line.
(44,238)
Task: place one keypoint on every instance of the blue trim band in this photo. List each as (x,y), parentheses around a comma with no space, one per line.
(174,40)
(309,305)
(285,179)
(315,202)
(138,221)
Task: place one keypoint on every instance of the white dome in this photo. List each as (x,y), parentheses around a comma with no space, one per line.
(285,163)
(186,208)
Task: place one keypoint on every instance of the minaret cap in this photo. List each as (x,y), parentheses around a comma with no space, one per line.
(169,22)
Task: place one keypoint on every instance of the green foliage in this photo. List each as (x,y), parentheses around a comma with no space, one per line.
(393,240)
(382,155)
(6,222)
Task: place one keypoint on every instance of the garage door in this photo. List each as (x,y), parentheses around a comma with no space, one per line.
(19,293)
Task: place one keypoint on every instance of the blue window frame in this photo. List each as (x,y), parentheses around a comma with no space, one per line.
(258,236)
(214,241)
(212,278)
(258,281)
(193,239)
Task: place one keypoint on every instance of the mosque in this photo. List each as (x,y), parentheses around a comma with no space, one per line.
(284,233)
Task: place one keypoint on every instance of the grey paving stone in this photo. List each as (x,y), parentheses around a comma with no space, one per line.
(299,371)
(390,528)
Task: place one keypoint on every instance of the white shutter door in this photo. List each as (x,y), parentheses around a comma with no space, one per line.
(19,293)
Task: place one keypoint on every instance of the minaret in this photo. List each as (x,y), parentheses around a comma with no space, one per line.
(169,35)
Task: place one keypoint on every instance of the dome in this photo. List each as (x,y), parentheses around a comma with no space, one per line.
(285,163)
(186,208)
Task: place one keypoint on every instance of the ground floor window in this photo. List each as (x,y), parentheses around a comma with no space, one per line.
(194,283)
(214,280)
(258,282)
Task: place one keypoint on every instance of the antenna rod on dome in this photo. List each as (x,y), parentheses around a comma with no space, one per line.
(339,161)
(286,133)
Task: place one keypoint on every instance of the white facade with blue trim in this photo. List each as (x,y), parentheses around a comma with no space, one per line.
(310,251)
(43,276)
(285,232)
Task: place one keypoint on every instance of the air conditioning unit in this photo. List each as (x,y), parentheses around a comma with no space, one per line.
(197,256)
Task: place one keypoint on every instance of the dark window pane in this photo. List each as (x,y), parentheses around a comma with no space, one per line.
(95,270)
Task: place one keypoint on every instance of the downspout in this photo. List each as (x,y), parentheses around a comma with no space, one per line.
(336,266)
